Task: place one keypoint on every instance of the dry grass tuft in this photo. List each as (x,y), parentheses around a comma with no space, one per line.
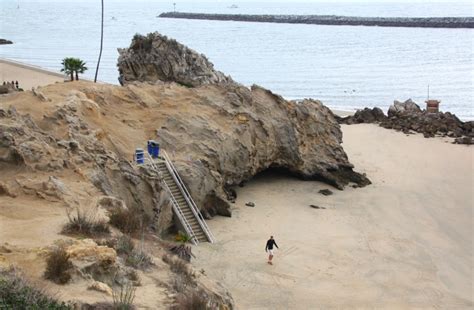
(123,297)
(136,258)
(85,223)
(195,300)
(124,245)
(127,221)
(58,266)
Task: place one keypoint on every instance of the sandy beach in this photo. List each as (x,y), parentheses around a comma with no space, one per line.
(404,242)
(28,76)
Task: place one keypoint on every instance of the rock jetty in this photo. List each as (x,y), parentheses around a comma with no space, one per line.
(408,117)
(425,22)
(4,41)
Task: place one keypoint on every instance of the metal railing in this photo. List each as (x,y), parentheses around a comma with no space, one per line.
(176,208)
(192,205)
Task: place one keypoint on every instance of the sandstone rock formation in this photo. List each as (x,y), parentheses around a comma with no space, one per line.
(42,156)
(156,57)
(218,135)
(229,141)
(232,133)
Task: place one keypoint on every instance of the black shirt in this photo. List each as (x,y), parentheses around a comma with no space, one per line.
(270,244)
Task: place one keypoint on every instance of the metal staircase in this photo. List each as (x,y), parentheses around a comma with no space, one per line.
(183,204)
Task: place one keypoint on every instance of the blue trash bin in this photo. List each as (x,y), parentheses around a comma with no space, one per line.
(139,156)
(153,148)
(150,147)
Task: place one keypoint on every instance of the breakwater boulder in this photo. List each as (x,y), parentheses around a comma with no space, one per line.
(425,22)
(156,57)
(408,117)
(4,41)
(365,115)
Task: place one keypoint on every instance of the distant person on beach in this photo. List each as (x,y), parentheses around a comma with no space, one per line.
(16,84)
(269,249)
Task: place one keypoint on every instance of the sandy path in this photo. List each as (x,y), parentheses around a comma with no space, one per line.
(404,242)
(28,76)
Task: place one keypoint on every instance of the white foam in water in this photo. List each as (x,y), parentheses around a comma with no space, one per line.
(347,67)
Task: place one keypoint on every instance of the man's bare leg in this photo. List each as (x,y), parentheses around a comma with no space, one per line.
(270,257)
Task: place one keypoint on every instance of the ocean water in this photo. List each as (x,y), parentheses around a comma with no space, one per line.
(347,67)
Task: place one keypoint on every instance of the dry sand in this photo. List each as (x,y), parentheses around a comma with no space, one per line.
(404,242)
(28,76)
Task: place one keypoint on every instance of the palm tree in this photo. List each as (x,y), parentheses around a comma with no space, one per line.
(68,64)
(79,67)
(73,65)
(101,42)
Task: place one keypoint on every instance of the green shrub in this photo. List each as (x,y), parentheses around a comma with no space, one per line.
(136,258)
(139,259)
(124,245)
(18,293)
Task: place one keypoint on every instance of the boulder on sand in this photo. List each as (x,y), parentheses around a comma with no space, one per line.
(409,106)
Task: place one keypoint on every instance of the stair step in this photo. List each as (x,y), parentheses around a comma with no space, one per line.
(180,199)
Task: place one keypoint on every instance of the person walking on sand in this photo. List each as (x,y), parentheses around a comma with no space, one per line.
(269,249)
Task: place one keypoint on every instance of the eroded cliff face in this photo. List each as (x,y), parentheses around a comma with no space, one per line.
(217,136)
(50,150)
(155,57)
(225,133)
(230,133)
(69,146)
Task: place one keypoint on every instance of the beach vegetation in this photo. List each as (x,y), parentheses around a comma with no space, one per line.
(73,66)
(85,223)
(58,266)
(124,296)
(182,249)
(18,293)
(196,300)
(128,221)
(135,257)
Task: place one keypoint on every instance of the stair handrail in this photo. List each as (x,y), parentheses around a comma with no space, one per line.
(177,210)
(187,196)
